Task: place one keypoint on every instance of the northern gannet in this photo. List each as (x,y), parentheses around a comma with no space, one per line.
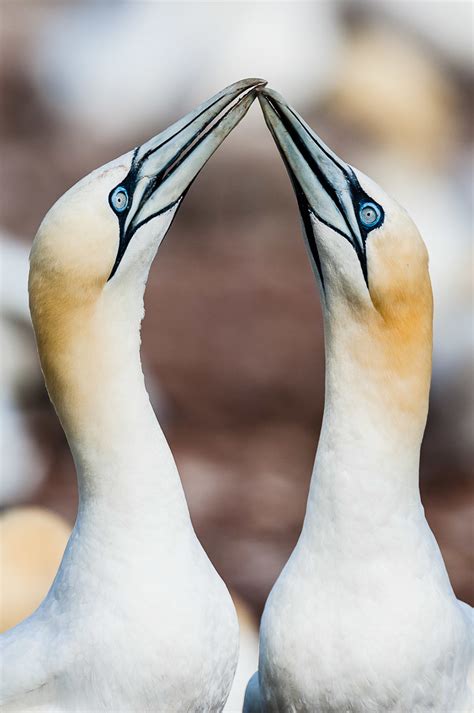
(363,617)
(137,619)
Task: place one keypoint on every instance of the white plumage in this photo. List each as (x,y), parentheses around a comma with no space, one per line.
(137,619)
(363,617)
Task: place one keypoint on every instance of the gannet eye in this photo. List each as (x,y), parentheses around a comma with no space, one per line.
(119,199)
(370,215)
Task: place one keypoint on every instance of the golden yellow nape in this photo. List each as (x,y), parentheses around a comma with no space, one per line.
(76,245)
(400,290)
(32,541)
(71,259)
(397,261)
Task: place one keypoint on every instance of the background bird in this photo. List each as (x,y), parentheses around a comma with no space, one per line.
(32,542)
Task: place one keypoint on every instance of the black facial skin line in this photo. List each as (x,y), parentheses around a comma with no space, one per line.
(305,212)
(129,184)
(358,195)
(129,181)
(156,148)
(312,163)
(343,168)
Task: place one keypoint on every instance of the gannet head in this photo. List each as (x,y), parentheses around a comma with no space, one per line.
(368,256)
(106,229)
(364,247)
(93,251)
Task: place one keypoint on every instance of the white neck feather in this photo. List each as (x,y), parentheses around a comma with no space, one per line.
(366,471)
(126,473)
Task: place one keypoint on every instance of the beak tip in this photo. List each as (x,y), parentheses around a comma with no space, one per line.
(248,83)
(257,84)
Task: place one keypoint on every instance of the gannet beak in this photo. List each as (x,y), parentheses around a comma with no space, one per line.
(325,186)
(163,168)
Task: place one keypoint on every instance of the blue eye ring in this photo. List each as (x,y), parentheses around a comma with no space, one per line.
(370,214)
(119,199)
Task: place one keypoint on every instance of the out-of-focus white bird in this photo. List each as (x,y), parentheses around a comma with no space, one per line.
(32,542)
(405,101)
(14,277)
(363,616)
(137,618)
(446,26)
(22,466)
(167,46)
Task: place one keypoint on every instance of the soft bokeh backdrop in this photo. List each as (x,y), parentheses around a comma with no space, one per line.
(232,338)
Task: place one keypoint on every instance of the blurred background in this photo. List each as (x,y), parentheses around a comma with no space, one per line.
(232,338)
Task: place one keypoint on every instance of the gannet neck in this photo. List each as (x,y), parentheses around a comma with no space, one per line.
(137,618)
(376,403)
(363,616)
(90,355)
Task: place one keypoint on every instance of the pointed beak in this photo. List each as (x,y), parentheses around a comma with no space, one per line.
(163,168)
(325,186)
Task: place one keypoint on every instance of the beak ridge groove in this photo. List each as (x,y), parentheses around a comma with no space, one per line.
(164,167)
(325,182)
